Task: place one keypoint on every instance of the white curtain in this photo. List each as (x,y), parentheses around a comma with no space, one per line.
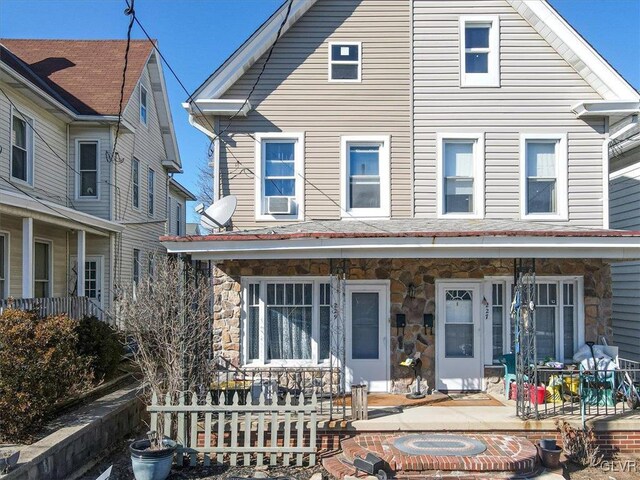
(458,159)
(289,333)
(541,159)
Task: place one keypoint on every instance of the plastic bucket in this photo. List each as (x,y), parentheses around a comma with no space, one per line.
(537,394)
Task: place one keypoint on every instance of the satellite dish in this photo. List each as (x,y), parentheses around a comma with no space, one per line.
(218,214)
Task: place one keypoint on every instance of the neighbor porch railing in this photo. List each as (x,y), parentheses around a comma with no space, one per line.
(558,392)
(75,307)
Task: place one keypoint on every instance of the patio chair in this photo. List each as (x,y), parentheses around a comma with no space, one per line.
(508,360)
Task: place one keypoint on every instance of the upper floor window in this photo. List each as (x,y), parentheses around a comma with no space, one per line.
(22,148)
(366,176)
(87,164)
(544,177)
(280,182)
(143,105)
(345,62)
(461,175)
(178,218)
(151,181)
(136,266)
(135,181)
(480,51)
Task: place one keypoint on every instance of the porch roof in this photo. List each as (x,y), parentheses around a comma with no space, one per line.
(408,238)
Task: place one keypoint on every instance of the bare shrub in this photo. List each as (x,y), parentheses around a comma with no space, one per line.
(579,445)
(167,316)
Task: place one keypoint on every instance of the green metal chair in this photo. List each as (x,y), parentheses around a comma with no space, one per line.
(508,360)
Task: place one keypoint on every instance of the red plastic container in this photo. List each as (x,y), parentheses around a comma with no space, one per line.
(513,391)
(536,394)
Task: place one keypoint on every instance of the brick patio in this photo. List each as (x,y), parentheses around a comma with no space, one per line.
(505,453)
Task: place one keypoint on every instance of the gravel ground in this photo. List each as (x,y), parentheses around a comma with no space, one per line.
(623,468)
(119,458)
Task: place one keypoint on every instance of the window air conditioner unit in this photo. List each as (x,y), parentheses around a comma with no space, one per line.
(279,205)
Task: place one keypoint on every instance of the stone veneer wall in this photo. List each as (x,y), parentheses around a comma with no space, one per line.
(422,274)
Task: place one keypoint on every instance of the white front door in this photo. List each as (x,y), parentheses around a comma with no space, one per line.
(459,364)
(92,278)
(367,351)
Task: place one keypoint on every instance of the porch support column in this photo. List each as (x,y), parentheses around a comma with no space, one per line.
(27,258)
(81,256)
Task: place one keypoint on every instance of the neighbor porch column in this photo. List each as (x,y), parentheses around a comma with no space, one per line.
(81,258)
(27,258)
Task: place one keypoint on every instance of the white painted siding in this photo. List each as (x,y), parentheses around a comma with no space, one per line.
(538,88)
(294,95)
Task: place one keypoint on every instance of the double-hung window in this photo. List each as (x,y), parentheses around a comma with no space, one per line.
(366,176)
(22,148)
(345,62)
(544,177)
(151,187)
(135,181)
(4,265)
(480,51)
(286,321)
(178,218)
(460,175)
(136,266)
(42,266)
(87,185)
(280,176)
(143,105)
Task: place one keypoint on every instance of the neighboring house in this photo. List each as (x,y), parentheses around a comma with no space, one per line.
(417,149)
(625,214)
(64,194)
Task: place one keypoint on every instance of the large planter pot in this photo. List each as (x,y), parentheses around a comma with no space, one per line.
(550,457)
(152,464)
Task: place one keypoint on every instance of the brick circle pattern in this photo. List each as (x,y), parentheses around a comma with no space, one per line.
(439,445)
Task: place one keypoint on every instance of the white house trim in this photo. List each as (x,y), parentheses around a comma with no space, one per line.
(7,263)
(562,179)
(330,62)
(478,174)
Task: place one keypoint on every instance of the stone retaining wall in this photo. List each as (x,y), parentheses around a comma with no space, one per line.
(413,292)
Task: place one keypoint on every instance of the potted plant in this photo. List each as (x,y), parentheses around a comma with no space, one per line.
(151,458)
(168,311)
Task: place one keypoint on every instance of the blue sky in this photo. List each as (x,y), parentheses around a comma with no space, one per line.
(197,35)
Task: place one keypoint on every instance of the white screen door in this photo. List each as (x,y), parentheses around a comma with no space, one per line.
(459,363)
(367,354)
(92,278)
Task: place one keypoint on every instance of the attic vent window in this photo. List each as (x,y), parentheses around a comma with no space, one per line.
(143,105)
(345,62)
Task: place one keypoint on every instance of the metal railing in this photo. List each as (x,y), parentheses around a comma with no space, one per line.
(276,382)
(558,392)
(76,307)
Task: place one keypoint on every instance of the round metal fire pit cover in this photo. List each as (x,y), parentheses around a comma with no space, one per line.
(439,445)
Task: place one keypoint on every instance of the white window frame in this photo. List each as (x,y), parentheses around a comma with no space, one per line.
(30,121)
(178,220)
(6,274)
(144,121)
(492,78)
(135,182)
(384,141)
(151,192)
(315,281)
(51,264)
(299,152)
(478,174)
(562,201)
(559,280)
(331,62)
(78,196)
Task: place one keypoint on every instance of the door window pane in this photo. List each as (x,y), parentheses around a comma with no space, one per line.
(91,279)
(458,177)
(365,326)
(364,176)
(568,320)
(459,334)
(41,269)
(541,163)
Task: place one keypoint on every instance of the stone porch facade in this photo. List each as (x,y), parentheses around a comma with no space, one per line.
(413,292)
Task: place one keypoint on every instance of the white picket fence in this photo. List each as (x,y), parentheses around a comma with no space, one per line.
(258,432)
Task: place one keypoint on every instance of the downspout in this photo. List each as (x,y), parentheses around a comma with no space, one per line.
(216,153)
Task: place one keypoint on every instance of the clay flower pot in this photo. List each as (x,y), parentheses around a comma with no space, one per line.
(550,457)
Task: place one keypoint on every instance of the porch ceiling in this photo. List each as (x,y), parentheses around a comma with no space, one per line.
(411,238)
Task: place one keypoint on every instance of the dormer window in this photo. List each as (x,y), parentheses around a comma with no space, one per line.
(345,62)
(479,51)
(143,105)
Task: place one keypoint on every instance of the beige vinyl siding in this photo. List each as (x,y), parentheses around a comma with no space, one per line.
(175,200)
(50,172)
(538,89)
(294,95)
(142,231)
(624,191)
(98,207)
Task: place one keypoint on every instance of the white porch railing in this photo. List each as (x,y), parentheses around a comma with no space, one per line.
(75,307)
